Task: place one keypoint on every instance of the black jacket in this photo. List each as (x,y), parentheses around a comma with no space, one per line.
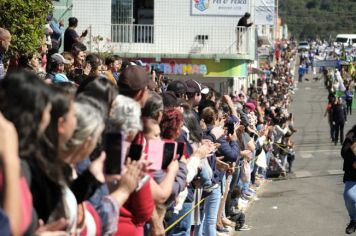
(338,113)
(243,22)
(349,157)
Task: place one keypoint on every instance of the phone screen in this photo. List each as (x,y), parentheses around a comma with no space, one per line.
(180,149)
(135,152)
(113,149)
(169,152)
(230,128)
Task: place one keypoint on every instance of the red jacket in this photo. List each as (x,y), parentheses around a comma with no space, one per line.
(136,212)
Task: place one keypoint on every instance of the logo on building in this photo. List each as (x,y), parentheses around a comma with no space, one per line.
(201,5)
(269,18)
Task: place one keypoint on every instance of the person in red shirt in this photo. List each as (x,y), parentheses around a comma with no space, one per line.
(138,209)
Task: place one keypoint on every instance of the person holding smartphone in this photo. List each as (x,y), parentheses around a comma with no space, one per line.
(70,35)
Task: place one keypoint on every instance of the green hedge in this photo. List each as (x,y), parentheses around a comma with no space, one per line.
(25,20)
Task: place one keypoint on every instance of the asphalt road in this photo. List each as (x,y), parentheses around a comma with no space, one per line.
(310,201)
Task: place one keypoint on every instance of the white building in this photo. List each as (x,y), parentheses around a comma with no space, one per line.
(190,39)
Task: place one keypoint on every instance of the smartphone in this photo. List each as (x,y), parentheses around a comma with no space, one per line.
(155,154)
(169,153)
(230,128)
(113,149)
(180,149)
(135,152)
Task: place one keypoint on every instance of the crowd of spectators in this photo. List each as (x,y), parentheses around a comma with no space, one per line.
(57,121)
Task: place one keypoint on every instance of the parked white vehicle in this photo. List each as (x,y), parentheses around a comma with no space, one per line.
(303,46)
(348,40)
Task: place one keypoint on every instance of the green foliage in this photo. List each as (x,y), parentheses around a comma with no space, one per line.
(322,19)
(101,46)
(25,19)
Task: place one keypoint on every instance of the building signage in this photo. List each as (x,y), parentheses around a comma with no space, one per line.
(264,12)
(220,7)
(181,69)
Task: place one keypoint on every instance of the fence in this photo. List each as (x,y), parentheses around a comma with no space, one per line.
(168,39)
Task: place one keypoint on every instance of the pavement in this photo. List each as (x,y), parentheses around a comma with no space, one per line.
(310,201)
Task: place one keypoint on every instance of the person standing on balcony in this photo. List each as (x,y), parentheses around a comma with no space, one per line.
(242,26)
(244,21)
(70,35)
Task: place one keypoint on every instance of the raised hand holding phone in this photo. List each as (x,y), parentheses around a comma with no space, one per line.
(97,168)
(173,167)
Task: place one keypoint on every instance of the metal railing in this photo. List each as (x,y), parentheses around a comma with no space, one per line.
(267,31)
(168,39)
(129,33)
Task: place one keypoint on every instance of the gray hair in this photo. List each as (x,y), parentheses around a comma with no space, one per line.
(90,123)
(125,115)
(153,105)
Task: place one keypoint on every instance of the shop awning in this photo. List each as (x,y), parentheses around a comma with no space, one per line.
(256,71)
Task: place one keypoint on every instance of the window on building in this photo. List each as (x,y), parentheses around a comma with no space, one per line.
(132,21)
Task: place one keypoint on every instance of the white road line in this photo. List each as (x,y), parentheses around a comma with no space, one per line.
(302,173)
(313,151)
(306,155)
(307,88)
(335,172)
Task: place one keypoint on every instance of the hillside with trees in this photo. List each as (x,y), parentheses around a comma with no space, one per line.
(318,18)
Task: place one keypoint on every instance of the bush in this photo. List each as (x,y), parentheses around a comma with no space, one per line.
(25,20)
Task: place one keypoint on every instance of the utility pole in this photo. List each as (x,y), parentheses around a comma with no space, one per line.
(276,22)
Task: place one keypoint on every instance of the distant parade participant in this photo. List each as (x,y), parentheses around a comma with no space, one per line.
(338,118)
(349,96)
(301,72)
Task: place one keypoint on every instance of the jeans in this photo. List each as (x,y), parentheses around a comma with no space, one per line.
(349,107)
(339,127)
(350,198)
(204,178)
(210,213)
(300,78)
(183,227)
(332,132)
(235,177)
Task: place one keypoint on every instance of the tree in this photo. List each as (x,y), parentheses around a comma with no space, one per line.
(25,19)
(311,4)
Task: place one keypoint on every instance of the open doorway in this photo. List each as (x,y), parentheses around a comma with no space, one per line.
(132,21)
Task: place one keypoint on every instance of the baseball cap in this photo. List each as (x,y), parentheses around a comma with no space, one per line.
(177,87)
(250,106)
(135,78)
(59,59)
(195,87)
(170,99)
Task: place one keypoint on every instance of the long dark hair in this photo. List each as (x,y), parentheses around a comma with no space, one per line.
(23,97)
(61,101)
